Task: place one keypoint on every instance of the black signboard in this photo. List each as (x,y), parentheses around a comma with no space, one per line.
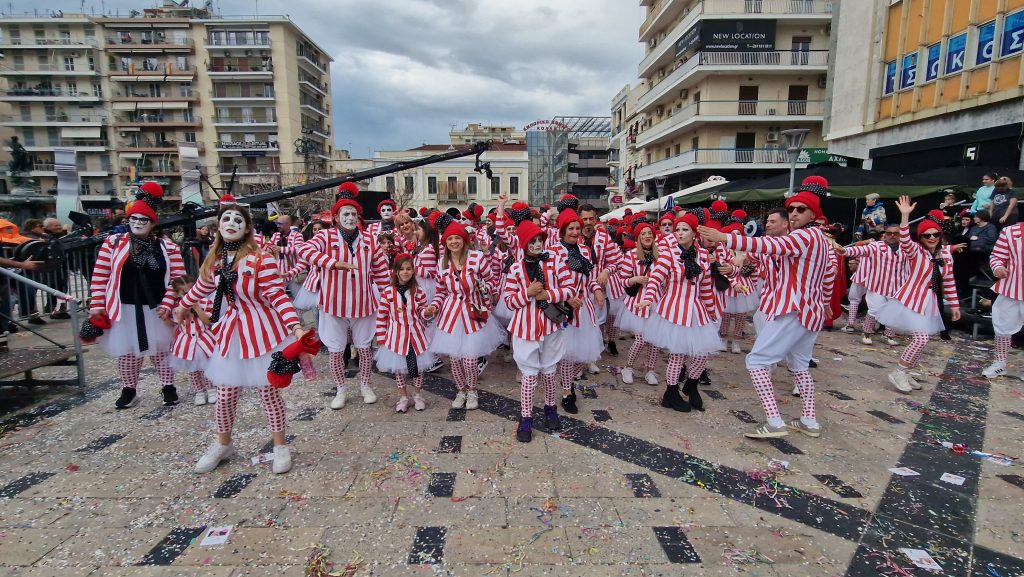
(688,41)
(728,36)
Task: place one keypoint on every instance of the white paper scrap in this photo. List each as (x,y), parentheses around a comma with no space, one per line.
(922,559)
(216,536)
(952,479)
(904,472)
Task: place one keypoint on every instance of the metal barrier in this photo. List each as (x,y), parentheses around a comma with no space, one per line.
(69,275)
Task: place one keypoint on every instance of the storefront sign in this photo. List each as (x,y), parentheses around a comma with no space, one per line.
(956,50)
(1013,34)
(547,126)
(688,41)
(728,36)
(934,54)
(986,43)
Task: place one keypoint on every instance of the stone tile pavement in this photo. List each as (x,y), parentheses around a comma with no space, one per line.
(87,490)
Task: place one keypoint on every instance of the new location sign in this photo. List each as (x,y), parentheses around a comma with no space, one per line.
(729,36)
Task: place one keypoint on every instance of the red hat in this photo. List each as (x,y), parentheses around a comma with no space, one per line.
(642,227)
(567,202)
(719,206)
(677,209)
(455,229)
(740,214)
(667,216)
(933,220)
(689,218)
(519,212)
(810,192)
(733,226)
(613,221)
(148,197)
(527,231)
(629,244)
(628,211)
(423,211)
(347,193)
(383,203)
(567,217)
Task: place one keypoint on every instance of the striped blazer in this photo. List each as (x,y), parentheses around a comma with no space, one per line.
(682,301)
(400,323)
(881,268)
(1009,254)
(458,291)
(582,286)
(915,292)
(528,321)
(193,336)
(105,286)
(344,293)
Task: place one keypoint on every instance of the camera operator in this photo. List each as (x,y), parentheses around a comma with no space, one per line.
(58,278)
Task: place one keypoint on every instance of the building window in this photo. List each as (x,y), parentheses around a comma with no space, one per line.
(889,85)
(956,52)
(69,64)
(53,136)
(182,63)
(668,152)
(83,188)
(1013,34)
(986,43)
(513,185)
(410,184)
(471,185)
(29,137)
(97,90)
(190,137)
(496,186)
(933,54)
(389,184)
(431,186)
(908,71)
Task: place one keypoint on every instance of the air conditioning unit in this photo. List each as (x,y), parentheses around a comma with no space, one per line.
(660,111)
(161,35)
(227,53)
(823,82)
(773,136)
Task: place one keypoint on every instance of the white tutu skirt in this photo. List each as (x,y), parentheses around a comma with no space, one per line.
(502,311)
(189,366)
(616,306)
(583,344)
(691,341)
(389,361)
(232,371)
(740,304)
(893,314)
(628,321)
(428,286)
(306,300)
(460,345)
(123,339)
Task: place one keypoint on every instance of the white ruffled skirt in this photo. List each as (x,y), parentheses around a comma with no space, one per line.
(691,341)
(389,361)
(233,371)
(460,345)
(189,366)
(893,314)
(616,306)
(502,311)
(306,300)
(741,304)
(122,338)
(583,344)
(628,321)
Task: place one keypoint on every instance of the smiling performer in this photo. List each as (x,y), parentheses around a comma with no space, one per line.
(252,319)
(131,286)
(352,275)
(794,312)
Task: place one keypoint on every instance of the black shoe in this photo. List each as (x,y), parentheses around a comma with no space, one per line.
(13,328)
(524,434)
(569,404)
(705,379)
(671,400)
(127,398)
(551,420)
(481,364)
(170,395)
(693,395)
(945,335)
(438,363)
(36,321)
(812,364)
(60,316)
(613,348)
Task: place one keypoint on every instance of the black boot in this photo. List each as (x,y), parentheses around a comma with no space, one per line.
(551,420)
(672,400)
(524,434)
(705,379)
(613,349)
(569,402)
(170,395)
(127,398)
(693,395)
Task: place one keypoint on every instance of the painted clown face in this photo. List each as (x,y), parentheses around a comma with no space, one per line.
(386,212)
(536,245)
(684,234)
(666,227)
(140,225)
(348,217)
(232,226)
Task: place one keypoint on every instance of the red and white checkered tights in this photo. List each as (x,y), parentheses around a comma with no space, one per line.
(128,367)
(723,329)
(403,381)
(199,381)
(458,373)
(610,330)
(526,395)
(273,407)
(675,366)
(1002,347)
(365,366)
(550,382)
(912,354)
(851,315)
(696,365)
(762,379)
(805,381)
(568,370)
(471,371)
(163,368)
(226,409)
(336,362)
(636,348)
(869,325)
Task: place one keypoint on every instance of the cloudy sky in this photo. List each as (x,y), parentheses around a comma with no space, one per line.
(405,71)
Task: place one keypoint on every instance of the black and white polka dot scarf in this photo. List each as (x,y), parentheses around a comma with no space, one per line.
(577,262)
(349,236)
(227,279)
(688,258)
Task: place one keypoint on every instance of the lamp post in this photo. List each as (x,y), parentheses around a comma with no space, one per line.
(795,138)
(659,184)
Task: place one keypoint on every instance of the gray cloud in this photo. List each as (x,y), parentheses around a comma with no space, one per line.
(404,71)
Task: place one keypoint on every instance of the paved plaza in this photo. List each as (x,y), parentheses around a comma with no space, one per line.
(627,488)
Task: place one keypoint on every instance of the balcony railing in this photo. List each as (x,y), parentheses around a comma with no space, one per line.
(263,68)
(156,119)
(654,13)
(49,41)
(180,94)
(712,110)
(154,145)
(47,93)
(222,93)
(256,42)
(36,67)
(243,120)
(154,69)
(250,169)
(69,143)
(714,156)
(54,118)
(147,41)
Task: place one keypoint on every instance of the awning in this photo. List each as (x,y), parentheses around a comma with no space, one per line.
(703,189)
(121,106)
(82,132)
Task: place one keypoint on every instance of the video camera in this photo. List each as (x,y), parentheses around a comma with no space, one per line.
(52,252)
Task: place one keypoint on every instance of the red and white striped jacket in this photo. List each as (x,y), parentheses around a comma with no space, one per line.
(917,286)
(1009,254)
(261,313)
(768,272)
(738,281)
(375,228)
(803,265)
(289,259)
(458,291)
(881,267)
(400,323)
(528,321)
(630,267)
(312,281)
(347,293)
(193,335)
(582,286)
(424,261)
(105,286)
(607,253)
(682,301)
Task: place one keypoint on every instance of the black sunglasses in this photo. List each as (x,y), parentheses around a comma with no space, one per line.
(931,235)
(797,209)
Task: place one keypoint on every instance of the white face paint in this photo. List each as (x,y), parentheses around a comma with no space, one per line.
(536,245)
(386,212)
(140,225)
(348,217)
(232,226)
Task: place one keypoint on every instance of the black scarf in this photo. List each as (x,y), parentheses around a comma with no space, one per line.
(688,258)
(226,281)
(387,225)
(937,263)
(535,272)
(577,262)
(349,236)
(648,260)
(144,258)
(410,357)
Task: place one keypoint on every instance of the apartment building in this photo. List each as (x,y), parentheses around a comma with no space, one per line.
(250,94)
(623,159)
(721,80)
(569,154)
(924,84)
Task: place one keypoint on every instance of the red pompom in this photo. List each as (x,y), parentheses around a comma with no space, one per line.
(815,179)
(349,187)
(740,214)
(227,199)
(719,206)
(432,219)
(423,211)
(152,189)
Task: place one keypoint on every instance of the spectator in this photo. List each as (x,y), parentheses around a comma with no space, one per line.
(58,278)
(1004,203)
(983,197)
(873,218)
(964,265)
(33,228)
(982,235)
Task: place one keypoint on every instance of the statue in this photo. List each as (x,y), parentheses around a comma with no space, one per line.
(19,165)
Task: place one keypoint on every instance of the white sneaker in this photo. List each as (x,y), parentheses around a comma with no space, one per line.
(338,401)
(865,339)
(652,378)
(460,400)
(996,369)
(481,364)
(369,397)
(627,376)
(419,403)
(472,400)
(913,382)
(282,459)
(200,399)
(211,396)
(900,380)
(213,457)
(891,342)
(736,347)
(593,369)
(403,405)
(796,390)
(848,329)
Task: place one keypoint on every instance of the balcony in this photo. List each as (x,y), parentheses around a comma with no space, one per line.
(702,64)
(243,121)
(223,94)
(162,147)
(147,120)
(255,41)
(659,14)
(698,113)
(718,159)
(144,97)
(154,72)
(79,144)
(59,119)
(42,94)
(314,108)
(318,87)
(49,42)
(149,171)
(46,69)
(243,147)
(153,42)
(241,70)
(311,59)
